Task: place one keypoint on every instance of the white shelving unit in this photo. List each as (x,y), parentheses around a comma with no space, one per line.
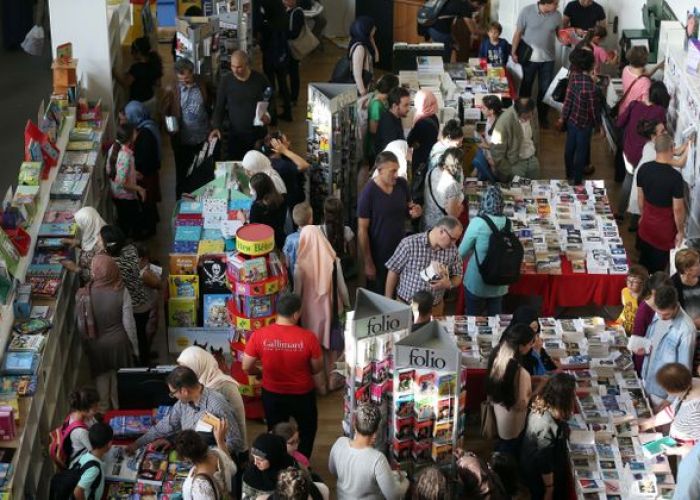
(97,32)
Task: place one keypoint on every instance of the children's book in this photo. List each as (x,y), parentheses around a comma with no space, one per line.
(183,263)
(215,314)
(181,285)
(182,312)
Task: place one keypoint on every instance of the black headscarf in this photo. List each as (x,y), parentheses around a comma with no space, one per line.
(361,32)
(525,315)
(274,449)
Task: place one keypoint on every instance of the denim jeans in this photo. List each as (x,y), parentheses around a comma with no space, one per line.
(578,143)
(483,169)
(446,39)
(544,71)
(482,306)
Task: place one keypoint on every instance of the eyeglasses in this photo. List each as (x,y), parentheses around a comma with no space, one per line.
(633,281)
(452,238)
(173,394)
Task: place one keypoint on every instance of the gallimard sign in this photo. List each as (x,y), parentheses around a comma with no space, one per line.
(424,358)
(377,325)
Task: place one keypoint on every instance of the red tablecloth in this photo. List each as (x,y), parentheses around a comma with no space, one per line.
(567,289)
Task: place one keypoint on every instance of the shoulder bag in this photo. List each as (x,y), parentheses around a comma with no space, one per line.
(305,43)
(430,188)
(489,429)
(615,111)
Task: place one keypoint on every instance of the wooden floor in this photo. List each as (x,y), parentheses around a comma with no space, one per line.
(317,68)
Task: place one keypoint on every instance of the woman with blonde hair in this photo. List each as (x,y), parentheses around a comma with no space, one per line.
(205,366)
(318,280)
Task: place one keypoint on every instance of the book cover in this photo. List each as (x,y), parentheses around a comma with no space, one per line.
(32,343)
(182,312)
(214,313)
(183,263)
(20,363)
(182,285)
(212,274)
(210,246)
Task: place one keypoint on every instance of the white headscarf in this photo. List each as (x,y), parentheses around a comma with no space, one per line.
(400,149)
(204,365)
(255,162)
(90,223)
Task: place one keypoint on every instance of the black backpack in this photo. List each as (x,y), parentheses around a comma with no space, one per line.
(501,266)
(429,13)
(64,482)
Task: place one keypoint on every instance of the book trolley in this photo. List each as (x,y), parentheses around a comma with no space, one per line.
(370,332)
(428,400)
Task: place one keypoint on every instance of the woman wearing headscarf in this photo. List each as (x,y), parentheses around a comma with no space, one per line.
(269,456)
(363,52)
(537,362)
(482,299)
(105,321)
(400,149)
(318,280)
(254,162)
(147,156)
(424,133)
(205,366)
(88,243)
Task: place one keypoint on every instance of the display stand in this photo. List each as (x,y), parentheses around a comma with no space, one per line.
(333,146)
(427,414)
(370,332)
(196,38)
(256,276)
(235,30)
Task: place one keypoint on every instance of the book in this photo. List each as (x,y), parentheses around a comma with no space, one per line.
(246,270)
(32,343)
(183,285)
(214,312)
(119,466)
(20,363)
(210,246)
(183,263)
(23,385)
(182,312)
(212,274)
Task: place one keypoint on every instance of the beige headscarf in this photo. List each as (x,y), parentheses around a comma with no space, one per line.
(315,257)
(255,162)
(90,223)
(204,364)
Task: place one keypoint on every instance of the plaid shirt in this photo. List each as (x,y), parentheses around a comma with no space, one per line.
(414,254)
(582,104)
(184,416)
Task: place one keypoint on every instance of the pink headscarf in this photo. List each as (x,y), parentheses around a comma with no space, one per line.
(316,257)
(426,105)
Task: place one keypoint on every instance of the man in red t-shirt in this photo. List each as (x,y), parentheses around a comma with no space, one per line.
(290,357)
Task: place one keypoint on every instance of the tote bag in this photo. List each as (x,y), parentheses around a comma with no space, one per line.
(488,420)
(304,44)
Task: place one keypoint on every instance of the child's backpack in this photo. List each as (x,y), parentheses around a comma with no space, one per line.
(429,13)
(63,483)
(60,447)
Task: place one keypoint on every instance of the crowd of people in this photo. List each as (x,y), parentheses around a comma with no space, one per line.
(415,187)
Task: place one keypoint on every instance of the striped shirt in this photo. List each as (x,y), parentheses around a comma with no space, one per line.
(128,262)
(184,416)
(686,423)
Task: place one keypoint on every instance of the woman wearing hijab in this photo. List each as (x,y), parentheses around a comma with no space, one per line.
(482,299)
(254,162)
(106,323)
(363,52)
(88,244)
(537,362)
(400,149)
(205,366)
(147,155)
(269,456)
(424,133)
(318,280)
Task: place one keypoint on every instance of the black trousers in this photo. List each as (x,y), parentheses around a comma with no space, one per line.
(279,407)
(144,342)
(184,155)
(654,259)
(294,81)
(239,144)
(277,77)
(129,215)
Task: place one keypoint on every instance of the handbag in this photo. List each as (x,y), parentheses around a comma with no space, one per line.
(304,44)
(430,188)
(524,52)
(337,333)
(559,92)
(489,430)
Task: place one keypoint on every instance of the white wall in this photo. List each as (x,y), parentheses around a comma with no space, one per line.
(681,7)
(340,14)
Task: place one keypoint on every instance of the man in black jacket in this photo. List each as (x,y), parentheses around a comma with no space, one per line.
(390,127)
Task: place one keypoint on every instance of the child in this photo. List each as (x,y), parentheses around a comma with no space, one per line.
(422,305)
(302,215)
(494,48)
(636,278)
(290,433)
(92,480)
(601,55)
(341,237)
(84,405)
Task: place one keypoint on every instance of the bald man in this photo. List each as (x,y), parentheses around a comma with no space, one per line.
(238,94)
